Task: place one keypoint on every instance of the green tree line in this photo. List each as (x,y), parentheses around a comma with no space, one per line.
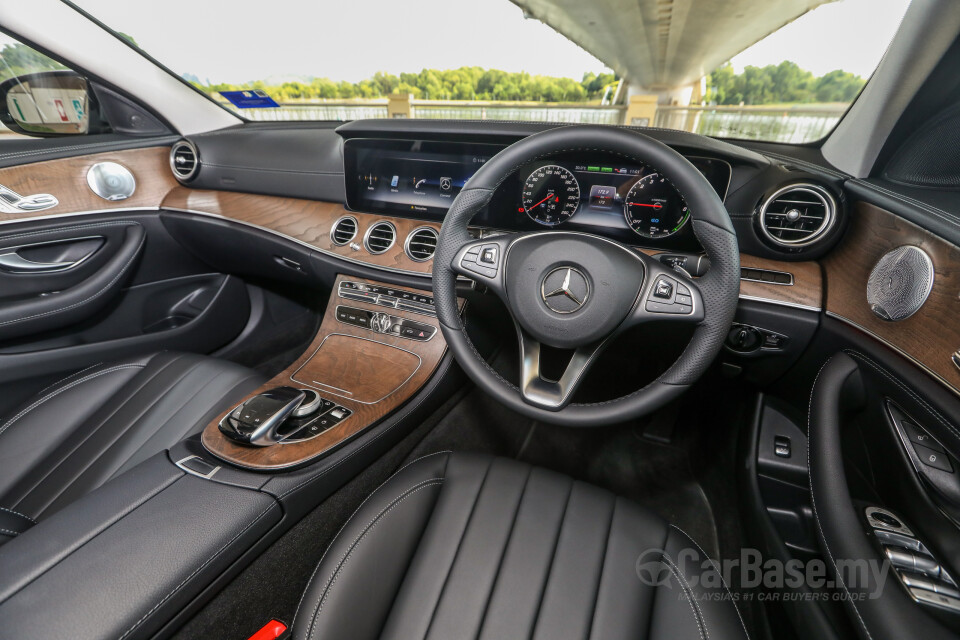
(784,82)
(465,83)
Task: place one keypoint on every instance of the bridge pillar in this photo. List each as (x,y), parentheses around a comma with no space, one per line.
(641,111)
(400,105)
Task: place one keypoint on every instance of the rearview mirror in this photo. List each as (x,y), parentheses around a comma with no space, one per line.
(48,104)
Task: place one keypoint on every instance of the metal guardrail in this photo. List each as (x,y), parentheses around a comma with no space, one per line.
(788,124)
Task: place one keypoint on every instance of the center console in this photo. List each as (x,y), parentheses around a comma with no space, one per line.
(376,347)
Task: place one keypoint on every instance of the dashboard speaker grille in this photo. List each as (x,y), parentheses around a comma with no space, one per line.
(184,160)
(344,230)
(797,215)
(900,283)
(380,237)
(421,244)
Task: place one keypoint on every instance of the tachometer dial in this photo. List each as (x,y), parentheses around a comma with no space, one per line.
(550,195)
(654,209)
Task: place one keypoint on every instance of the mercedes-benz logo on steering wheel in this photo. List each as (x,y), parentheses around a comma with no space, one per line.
(565,290)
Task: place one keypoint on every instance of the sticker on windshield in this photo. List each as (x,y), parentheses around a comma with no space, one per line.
(250,99)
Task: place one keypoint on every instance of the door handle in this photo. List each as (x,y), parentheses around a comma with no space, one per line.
(16,263)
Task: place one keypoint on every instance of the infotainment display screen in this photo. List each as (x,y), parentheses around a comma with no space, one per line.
(417,178)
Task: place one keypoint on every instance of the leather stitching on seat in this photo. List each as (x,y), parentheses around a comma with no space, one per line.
(62,389)
(350,519)
(356,541)
(691,599)
(17,513)
(10,532)
(91,433)
(456,553)
(603,564)
(103,450)
(713,565)
(553,557)
(119,275)
(813,503)
(503,551)
(270,507)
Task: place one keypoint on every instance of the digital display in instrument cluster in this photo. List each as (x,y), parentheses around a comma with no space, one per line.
(604,196)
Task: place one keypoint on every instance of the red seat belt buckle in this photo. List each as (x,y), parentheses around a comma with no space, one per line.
(270,631)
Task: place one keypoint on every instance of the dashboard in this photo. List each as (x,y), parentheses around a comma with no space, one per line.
(596,193)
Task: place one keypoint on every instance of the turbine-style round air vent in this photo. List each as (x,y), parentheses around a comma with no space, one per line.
(184,160)
(421,244)
(380,237)
(798,214)
(344,230)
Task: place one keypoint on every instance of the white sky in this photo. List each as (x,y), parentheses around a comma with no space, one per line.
(243,40)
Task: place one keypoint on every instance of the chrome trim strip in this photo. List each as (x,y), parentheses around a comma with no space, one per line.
(347,335)
(782,303)
(779,284)
(336,223)
(366,237)
(830,214)
(205,476)
(406,243)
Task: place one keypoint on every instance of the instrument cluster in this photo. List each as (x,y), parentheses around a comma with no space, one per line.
(596,196)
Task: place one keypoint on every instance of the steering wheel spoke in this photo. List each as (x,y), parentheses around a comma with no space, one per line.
(483,261)
(667,295)
(552,395)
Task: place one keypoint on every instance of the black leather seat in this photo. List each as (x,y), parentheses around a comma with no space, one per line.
(470,546)
(77,434)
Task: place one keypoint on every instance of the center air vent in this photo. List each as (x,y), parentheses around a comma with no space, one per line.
(421,244)
(344,230)
(380,237)
(184,160)
(797,215)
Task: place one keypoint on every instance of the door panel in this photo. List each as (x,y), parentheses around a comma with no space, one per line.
(93,280)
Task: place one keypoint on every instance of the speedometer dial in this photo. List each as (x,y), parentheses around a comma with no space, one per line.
(550,195)
(654,209)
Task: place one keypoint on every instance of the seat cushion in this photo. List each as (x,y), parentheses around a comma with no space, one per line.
(75,435)
(471,546)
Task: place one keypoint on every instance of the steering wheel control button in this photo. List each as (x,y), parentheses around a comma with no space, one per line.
(482,260)
(664,289)
(670,297)
(488,256)
(565,290)
(932,458)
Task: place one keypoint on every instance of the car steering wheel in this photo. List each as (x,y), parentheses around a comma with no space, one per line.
(578,291)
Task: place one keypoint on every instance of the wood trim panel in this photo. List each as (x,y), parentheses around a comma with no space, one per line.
(932,334)
(308,221)
(67,180)
(375,350)
(806,290)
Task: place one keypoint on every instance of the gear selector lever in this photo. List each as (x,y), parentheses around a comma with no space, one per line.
(256,421)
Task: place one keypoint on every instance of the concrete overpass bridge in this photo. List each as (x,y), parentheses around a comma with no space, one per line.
(663,49)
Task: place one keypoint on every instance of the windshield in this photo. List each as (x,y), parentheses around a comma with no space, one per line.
(750,69)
